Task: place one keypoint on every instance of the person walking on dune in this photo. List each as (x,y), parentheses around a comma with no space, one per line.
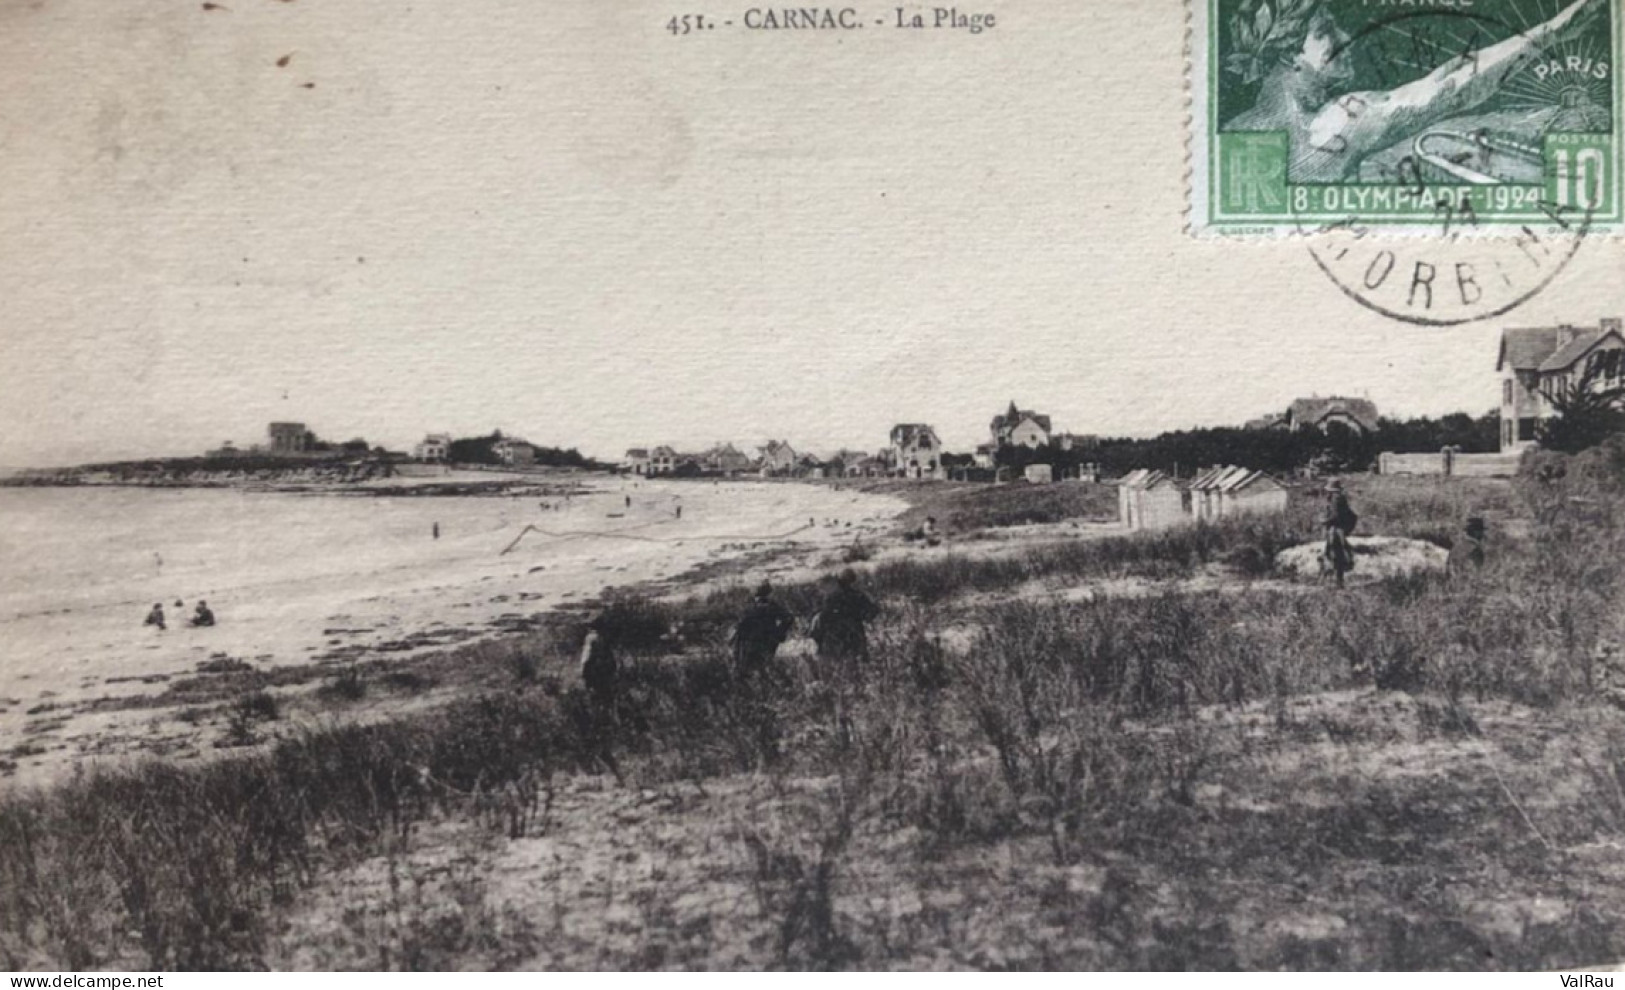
(1339,520)
(841,627)
(762,627)
(600,670)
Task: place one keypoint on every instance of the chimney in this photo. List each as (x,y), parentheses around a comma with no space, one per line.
(1610,324)
(1565,334)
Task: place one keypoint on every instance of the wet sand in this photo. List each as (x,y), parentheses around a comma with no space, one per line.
(292,578)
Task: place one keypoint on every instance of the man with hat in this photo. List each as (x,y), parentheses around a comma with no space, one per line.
(1339,521)
(762,627)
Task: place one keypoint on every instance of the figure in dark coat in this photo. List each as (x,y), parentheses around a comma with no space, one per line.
(841,627)
(1339,521)
(600,670)
(762,627)
(1467,554)
(155,617)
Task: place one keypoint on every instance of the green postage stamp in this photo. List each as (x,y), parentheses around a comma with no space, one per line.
(1488,116)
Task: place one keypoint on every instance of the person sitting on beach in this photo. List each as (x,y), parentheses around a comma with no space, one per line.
(762,627)
(202,616)
(156,617)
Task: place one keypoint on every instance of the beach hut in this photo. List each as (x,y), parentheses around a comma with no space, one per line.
(1228,490)
(1149,499)
(1039,474)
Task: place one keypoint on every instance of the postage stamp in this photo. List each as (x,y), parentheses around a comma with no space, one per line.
(1415,116)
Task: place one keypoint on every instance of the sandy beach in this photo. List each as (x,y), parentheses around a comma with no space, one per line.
(295,578)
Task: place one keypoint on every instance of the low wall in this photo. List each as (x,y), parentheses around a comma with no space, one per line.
(1459,465)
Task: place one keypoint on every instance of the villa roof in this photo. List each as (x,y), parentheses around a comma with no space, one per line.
(1014,417)
(1524,348)
(905,434)
(1315,410)
(1574,350)
(637,452)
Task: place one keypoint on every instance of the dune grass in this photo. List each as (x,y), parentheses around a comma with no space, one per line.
(1070,735)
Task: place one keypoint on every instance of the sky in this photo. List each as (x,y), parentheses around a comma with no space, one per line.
(561,221)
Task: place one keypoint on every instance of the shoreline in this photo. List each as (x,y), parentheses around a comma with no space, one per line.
(123,691)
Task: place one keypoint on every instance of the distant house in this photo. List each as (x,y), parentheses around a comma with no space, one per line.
(1536,363)
(724,459)
(1019,428)
(868,467)
(777,458)
(227,449)
(985,456)
(915,451)
(636,461)
(290,438)
(1225,491)
(662,460)
(433,449)
(514,452)
(810,466)
(1315,413)
(1075,441)
(1151,500)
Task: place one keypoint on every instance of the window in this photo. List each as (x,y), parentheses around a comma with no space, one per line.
(1506,392)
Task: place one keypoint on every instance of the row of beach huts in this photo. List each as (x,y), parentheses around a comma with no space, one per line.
(1149,499)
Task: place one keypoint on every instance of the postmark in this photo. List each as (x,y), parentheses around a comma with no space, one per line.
(1449,119)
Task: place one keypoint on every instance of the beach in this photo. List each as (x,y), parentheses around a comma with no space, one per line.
(301,578)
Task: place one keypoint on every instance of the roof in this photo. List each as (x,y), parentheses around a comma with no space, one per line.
(1574,350)
(1525,348)
(664,451)
(906,434)
(1229,478)
(1014,417)
(1145,478)
(1314,411)
(637,452)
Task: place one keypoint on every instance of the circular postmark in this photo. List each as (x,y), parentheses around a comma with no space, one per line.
(1445,218)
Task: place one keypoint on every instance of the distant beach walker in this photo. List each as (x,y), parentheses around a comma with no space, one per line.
(1433,120)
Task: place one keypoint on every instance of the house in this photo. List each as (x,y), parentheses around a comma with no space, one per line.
(1149,499)
(778,458)
(868,467)
(810,466)
(1075,441)
(290,438)
(636,461)
(433,449)
(915,451)
(514,452)
(662,460)
(1536,363)
(984,456)
(1316,413)
(1220,492)
(1019,428)
(723,458)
